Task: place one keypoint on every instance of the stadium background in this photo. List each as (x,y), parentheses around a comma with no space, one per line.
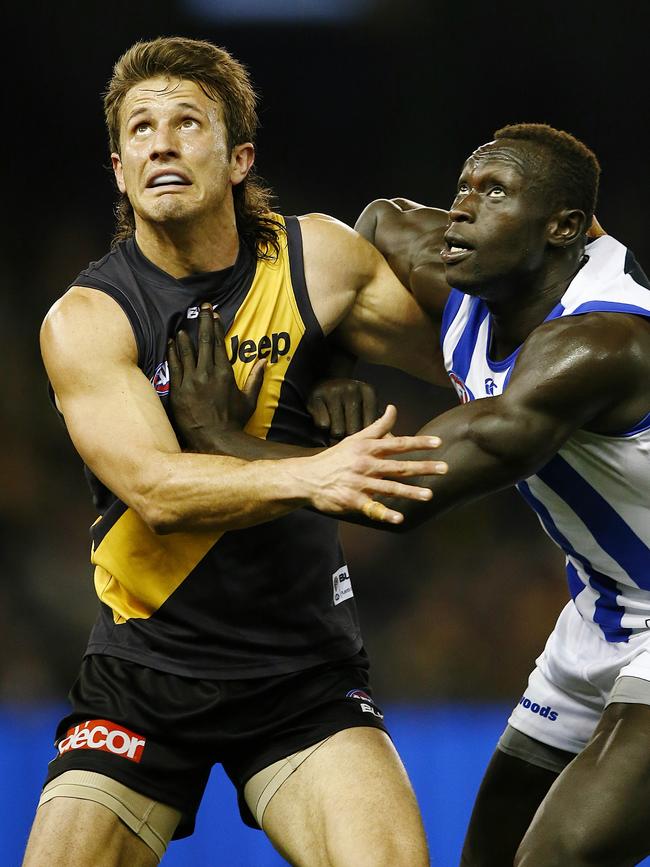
(359,99)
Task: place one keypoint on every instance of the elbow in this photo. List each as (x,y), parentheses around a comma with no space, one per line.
(508,442)
(160,519)
(158,508)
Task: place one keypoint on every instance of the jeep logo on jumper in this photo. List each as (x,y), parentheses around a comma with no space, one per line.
(100,734)
(533,707)
(273,347)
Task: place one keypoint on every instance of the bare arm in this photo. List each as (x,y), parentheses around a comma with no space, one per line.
(357,297)
(410,237)
(119,428)
(591,372)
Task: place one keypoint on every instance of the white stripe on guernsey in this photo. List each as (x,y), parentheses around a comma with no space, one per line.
(455,331)
(603,278)
(577,533)
(475,380)
(585,601)
(634,603)
(613,467)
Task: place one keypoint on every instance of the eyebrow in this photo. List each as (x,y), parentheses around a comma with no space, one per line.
(144,108)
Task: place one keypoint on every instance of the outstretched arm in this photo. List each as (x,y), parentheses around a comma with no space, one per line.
(591,371)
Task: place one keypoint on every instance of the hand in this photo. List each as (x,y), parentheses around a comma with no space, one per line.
(203,393)
(346,477)
(595,230)
(342,406)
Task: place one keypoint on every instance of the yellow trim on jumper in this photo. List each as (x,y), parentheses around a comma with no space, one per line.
(136,571)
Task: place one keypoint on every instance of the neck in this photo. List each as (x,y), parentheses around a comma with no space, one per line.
(184,248)
(513,319)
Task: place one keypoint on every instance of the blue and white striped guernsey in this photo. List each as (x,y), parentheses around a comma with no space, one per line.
(593,496)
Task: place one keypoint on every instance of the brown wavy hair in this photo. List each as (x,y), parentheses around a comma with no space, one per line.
(221,78)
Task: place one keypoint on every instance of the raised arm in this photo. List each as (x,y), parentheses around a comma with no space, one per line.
(122,433)
(591,371)
(410,237)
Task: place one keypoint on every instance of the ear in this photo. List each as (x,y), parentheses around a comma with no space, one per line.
(241,162)
(566,227)
(117,171)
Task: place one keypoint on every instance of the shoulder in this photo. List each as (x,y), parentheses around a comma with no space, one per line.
(598,350)
(398,220)
(600,333)
(332,244)
(86,320)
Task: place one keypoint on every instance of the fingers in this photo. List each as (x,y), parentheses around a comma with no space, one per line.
(175,366)
(396,445)
(254,382)
(319,412)
(379,428)
(352,410)
(378,512)
(337,419)
(369,401)
(185,350)
(405,469)
(220,356)
(205,339)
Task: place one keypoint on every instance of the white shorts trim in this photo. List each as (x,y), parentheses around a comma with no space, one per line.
(576,676)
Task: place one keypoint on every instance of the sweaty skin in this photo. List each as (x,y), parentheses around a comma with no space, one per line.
(499,243)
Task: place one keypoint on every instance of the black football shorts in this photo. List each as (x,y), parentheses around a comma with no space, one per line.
(160,734)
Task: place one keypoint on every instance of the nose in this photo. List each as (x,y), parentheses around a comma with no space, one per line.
(463,208)
(163,143)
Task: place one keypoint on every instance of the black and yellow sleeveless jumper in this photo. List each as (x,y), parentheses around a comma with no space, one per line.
(267,600)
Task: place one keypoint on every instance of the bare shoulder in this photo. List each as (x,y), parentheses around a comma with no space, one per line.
(591,338)
(392,224)
(330,243)
(82,329)
(597,364)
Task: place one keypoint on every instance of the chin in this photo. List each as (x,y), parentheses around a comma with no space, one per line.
(171,212)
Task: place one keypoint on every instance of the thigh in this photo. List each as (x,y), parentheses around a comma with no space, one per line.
(596,812)
(516,781)
(349,804)
(68,832)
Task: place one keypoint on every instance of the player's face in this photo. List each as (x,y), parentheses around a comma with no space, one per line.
(174,163)
(496,238)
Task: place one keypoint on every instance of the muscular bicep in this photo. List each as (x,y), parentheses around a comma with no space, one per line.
(357,298)
(386,325)
(112,414)
(569,375)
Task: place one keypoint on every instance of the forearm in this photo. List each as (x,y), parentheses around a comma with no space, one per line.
(486,451)
(241,445)
(192,492)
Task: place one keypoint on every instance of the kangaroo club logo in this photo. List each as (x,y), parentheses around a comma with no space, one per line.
(160,379)
(461,388)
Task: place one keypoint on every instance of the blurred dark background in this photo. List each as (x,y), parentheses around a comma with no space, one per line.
(359,99)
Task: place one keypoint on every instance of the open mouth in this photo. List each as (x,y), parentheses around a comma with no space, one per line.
(455,250)
(168,179)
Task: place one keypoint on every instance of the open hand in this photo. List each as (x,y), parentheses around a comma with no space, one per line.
(348,476)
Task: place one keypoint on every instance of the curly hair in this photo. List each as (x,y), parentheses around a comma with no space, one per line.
(570,171)
(221,78)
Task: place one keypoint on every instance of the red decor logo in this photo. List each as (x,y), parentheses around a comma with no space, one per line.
(100,734)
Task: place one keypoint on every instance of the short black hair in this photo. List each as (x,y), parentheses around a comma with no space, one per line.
(571,171)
